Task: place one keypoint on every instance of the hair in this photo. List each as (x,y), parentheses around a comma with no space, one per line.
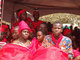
(42,32)
(18,11)
(44,24)
(16,27)
(58,22)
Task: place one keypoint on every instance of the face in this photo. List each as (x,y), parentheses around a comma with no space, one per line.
(36,16)
(40,36)
(57,29)
(25,34)
(31,34)
(43,28)
(15,34)
(23,16)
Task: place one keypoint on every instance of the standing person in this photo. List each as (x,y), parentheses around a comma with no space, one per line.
(24,32)
(15,33)
(36,23)
(22,15)
(56,39)
(2,36)
(3,40)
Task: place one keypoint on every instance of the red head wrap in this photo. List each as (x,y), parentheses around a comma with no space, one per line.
(21,13)
(23,25)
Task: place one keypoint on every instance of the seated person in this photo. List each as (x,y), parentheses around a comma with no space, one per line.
(24,33)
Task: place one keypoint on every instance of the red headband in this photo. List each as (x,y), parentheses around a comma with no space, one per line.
(21,13)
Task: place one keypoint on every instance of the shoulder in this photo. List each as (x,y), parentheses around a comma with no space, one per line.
(29,19)
(15,42)
(48,38)
(40,21)
(67,39)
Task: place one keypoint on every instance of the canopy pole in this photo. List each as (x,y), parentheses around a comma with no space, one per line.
(1,13)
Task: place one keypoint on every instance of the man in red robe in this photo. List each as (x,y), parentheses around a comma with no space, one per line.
(22,15)
(36,23)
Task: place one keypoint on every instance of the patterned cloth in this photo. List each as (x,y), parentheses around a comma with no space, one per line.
(65,44)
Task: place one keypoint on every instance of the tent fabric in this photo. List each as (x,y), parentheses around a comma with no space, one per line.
(50,3)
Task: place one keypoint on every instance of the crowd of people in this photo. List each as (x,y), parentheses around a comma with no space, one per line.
(38,40)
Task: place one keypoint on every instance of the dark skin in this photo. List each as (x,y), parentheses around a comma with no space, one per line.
(23,16)
(24,35)
(57,29)
(36,17)
(40,36)
(15,34)
(43,27)
(31,34)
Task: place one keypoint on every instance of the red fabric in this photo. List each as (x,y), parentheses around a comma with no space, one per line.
(14,52)
(5,26)
(35,12)
(35,44)
(28,21)
(51,53)
(58,41)
(66,31)
(21,13)
(76,52)
(33,31)
(2,29)
(4,40)
(35,25)
(12,29)
(23,25)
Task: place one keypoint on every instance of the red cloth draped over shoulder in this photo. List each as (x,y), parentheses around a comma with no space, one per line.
(35,44)
(51,53)
(76,52)
(4,40)
(14,52)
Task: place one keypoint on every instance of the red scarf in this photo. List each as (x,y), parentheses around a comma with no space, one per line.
(4,40)
(58,41)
